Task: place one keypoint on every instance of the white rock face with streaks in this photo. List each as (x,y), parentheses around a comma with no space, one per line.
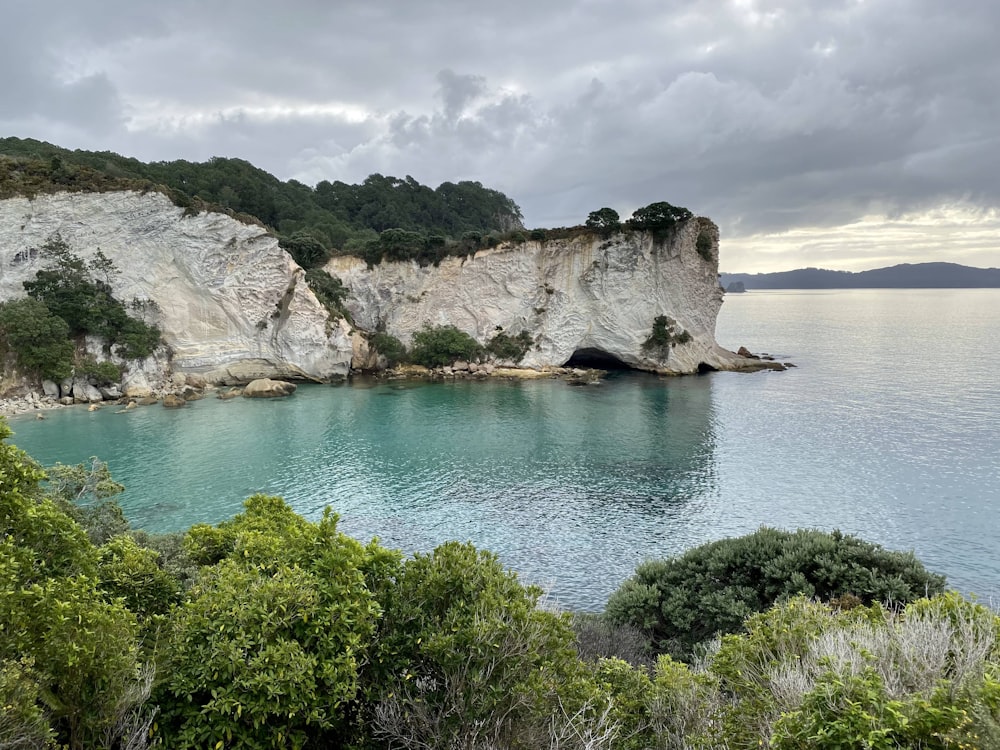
(586,293)
(232,304)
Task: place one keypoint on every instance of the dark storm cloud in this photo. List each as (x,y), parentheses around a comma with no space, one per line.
(771,117)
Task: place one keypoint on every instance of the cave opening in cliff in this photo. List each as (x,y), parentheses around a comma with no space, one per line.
(596,359)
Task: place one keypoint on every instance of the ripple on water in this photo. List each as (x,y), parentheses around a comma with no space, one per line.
(875,433)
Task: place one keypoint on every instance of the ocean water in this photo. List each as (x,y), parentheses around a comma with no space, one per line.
(888,428)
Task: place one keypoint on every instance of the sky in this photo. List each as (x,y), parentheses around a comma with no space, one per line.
(843,134)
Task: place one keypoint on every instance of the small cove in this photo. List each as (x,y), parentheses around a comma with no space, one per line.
(887,429)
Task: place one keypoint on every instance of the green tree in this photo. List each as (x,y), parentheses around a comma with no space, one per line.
(503,346)
(441,345)
(87,305)
(605,221)
(683,601)
(305,249)
(39,339)
(659,218)
(388,346)
(329,290)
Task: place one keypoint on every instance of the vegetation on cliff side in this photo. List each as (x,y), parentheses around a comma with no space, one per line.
(70,298)
(271,631)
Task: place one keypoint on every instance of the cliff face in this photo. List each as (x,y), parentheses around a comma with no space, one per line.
(232,304)
(585,295)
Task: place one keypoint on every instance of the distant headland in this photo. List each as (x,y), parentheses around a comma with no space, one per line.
(903,276)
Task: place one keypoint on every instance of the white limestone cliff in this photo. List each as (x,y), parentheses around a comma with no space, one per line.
(571,295)
(231,304)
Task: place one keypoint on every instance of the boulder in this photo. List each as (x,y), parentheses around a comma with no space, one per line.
(50,388)
(111,393)
(136,385)
(231,393)
(85,393)
(193,380)
(172,401)
(267,388)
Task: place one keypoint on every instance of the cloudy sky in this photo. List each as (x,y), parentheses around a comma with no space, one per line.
(845,134)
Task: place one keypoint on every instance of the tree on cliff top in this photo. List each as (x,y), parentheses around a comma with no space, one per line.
(658,217)
(604,221)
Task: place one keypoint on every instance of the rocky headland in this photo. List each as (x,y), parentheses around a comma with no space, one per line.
(233,306)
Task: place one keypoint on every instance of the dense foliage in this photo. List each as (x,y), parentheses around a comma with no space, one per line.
(507,347)
(80,294)
(659,218)
(271,631)
(683,601)
(436,346)
(388,347)
(603,221)
(38,339)
(312,222)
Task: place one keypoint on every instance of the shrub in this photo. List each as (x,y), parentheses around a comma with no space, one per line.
(305,249)
(704,245)
(665,335)
(806,676)
(39,339)
(77,649)
(465,658)
(538,235)
(329,290)
(103,373)
(683,601)
(513,348)
(388,346)
(441,345)
(266,651)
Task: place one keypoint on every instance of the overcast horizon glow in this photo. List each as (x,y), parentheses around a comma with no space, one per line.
(843,134)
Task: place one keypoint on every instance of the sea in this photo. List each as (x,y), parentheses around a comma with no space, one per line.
(887,427)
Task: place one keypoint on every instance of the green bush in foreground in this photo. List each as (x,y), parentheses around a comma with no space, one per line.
(293,635)
(683,601)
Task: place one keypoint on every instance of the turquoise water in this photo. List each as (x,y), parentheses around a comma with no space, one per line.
(887,429)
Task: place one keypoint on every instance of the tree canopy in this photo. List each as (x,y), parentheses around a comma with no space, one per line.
(333,215)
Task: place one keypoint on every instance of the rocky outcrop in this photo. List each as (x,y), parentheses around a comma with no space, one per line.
(266,388)
(587,295)
(230,303)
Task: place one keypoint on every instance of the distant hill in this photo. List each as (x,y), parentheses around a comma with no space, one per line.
(903,276)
